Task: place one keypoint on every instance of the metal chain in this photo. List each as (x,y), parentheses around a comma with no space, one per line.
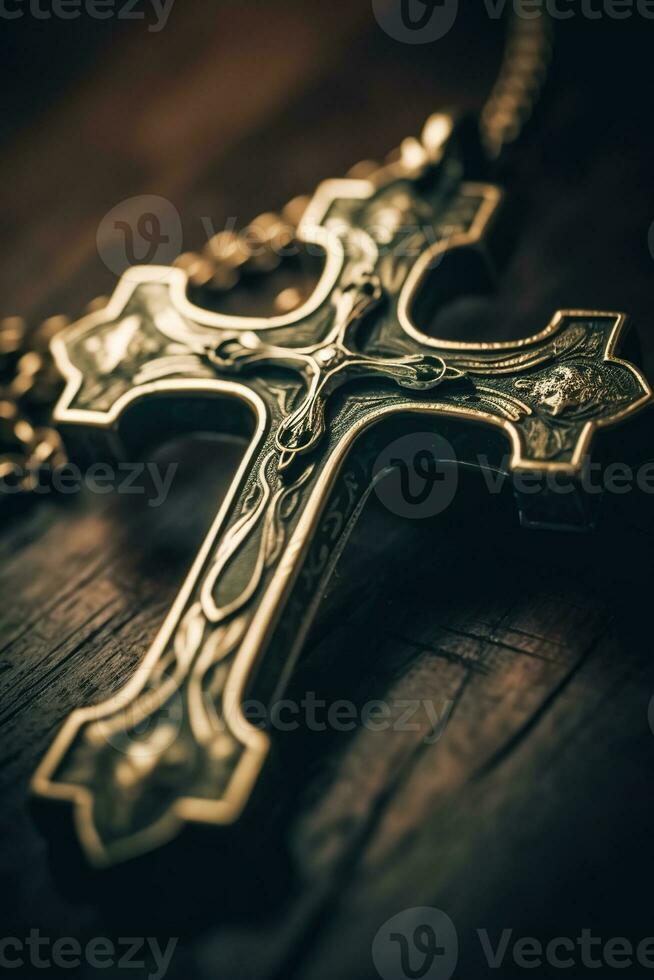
(29,383)
(28,387)
(256,250)
(515,94)
(513,98)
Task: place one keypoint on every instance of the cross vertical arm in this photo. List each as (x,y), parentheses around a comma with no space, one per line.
(174,746)
(324,383)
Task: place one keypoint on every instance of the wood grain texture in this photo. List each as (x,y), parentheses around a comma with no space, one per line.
(533,809)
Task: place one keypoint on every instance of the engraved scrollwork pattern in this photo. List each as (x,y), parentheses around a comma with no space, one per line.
(169,749)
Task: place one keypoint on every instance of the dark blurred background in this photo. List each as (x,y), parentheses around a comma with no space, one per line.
(535,812)
(233,108)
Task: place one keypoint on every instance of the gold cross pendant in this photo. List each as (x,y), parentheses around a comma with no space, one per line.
(320,392)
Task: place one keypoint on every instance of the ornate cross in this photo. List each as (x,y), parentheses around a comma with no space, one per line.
(321,392)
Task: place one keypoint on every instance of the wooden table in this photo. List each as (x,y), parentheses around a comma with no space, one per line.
(533,811)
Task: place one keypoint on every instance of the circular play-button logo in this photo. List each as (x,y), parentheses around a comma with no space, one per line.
(143,230)
(417,944)
(417,476)
(416,21)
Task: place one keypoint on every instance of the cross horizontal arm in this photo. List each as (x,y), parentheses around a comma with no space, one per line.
(324,384)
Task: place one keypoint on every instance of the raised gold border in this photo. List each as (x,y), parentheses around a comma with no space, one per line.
(256,742)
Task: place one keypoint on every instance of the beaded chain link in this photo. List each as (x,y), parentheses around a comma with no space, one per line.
(29,382)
